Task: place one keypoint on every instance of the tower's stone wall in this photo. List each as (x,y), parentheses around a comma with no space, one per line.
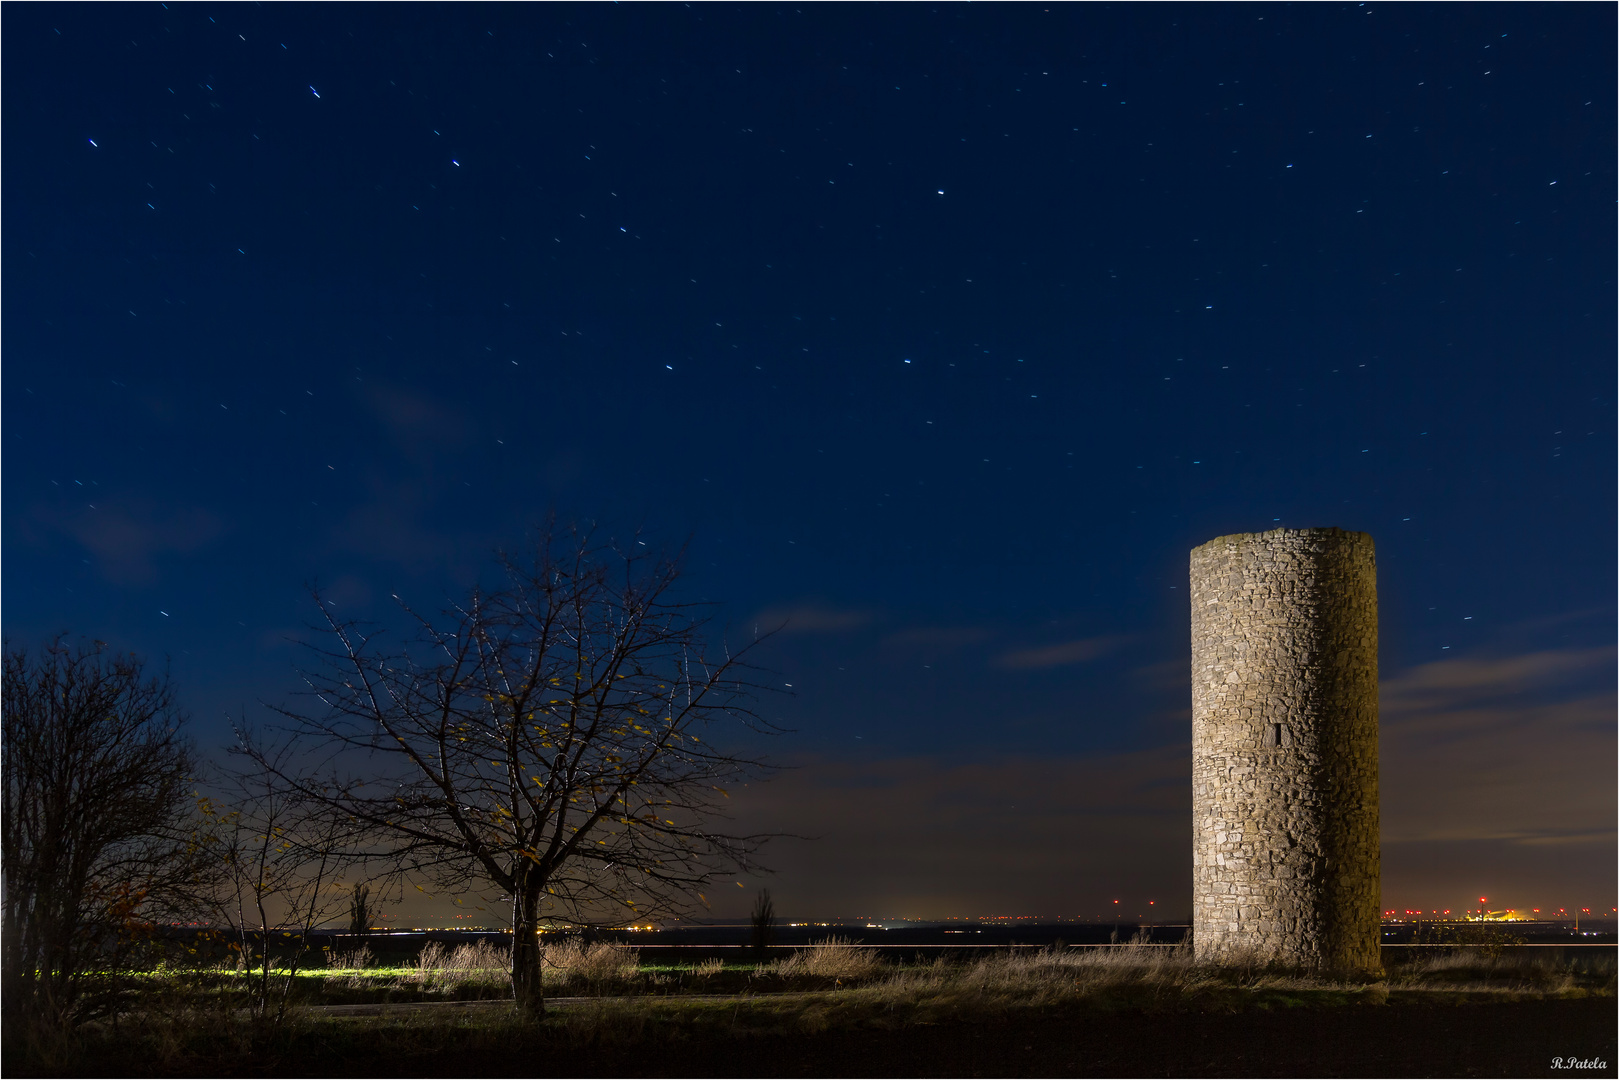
(1285,864)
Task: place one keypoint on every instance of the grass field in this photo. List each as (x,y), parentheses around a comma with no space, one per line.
(815,1001)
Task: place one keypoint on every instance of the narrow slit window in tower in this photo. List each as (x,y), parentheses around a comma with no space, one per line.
(1276,735)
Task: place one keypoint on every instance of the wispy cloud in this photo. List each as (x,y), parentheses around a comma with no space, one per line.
(394,523)
(1080,651)
(1497,776)
(129,536)
(812,619)
(421,425)
(1448,681)
(936,639)
(1513,748)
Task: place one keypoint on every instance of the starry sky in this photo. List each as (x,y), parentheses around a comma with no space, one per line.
(940,333)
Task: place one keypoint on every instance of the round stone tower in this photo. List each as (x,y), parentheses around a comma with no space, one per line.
(1285,860)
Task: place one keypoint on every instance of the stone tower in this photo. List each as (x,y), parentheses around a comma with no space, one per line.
(1285,860)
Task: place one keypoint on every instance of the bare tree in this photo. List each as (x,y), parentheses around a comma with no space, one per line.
(361,912)
(764,923)
(99,837)
(280,858)
(549,738)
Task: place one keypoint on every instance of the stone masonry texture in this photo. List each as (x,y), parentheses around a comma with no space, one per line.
(1285,861)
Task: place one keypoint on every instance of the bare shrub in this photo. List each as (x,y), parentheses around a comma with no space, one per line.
(481,963)
(351,959)
(429,963)
(429,960)
(347,967)
(482,959)
(597,961)
(834,958)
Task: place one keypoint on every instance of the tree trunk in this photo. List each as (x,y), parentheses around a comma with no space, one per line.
(527,990)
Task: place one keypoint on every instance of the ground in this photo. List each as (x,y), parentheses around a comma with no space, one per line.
(1515,1038)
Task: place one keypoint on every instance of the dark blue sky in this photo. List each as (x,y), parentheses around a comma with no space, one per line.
(945,329)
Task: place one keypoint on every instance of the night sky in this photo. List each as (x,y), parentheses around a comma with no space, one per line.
(941,332)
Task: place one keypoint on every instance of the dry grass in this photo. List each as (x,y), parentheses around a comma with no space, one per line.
(348,967)
(1049,976)
(482,963)
(351,959)
(175,1028)
(1477,960)
(593,962)
(1155,976)
(709,968)
(483,968)
(834,958)
(1116,976)
(1493,970)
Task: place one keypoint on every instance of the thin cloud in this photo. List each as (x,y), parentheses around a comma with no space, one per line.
(1447,681)
(1517,749)
(812,619)
(1081,651)
(128,537)
(935,639)
(421,425)
(391,525)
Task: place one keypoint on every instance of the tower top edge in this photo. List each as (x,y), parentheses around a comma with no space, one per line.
(1324,532)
